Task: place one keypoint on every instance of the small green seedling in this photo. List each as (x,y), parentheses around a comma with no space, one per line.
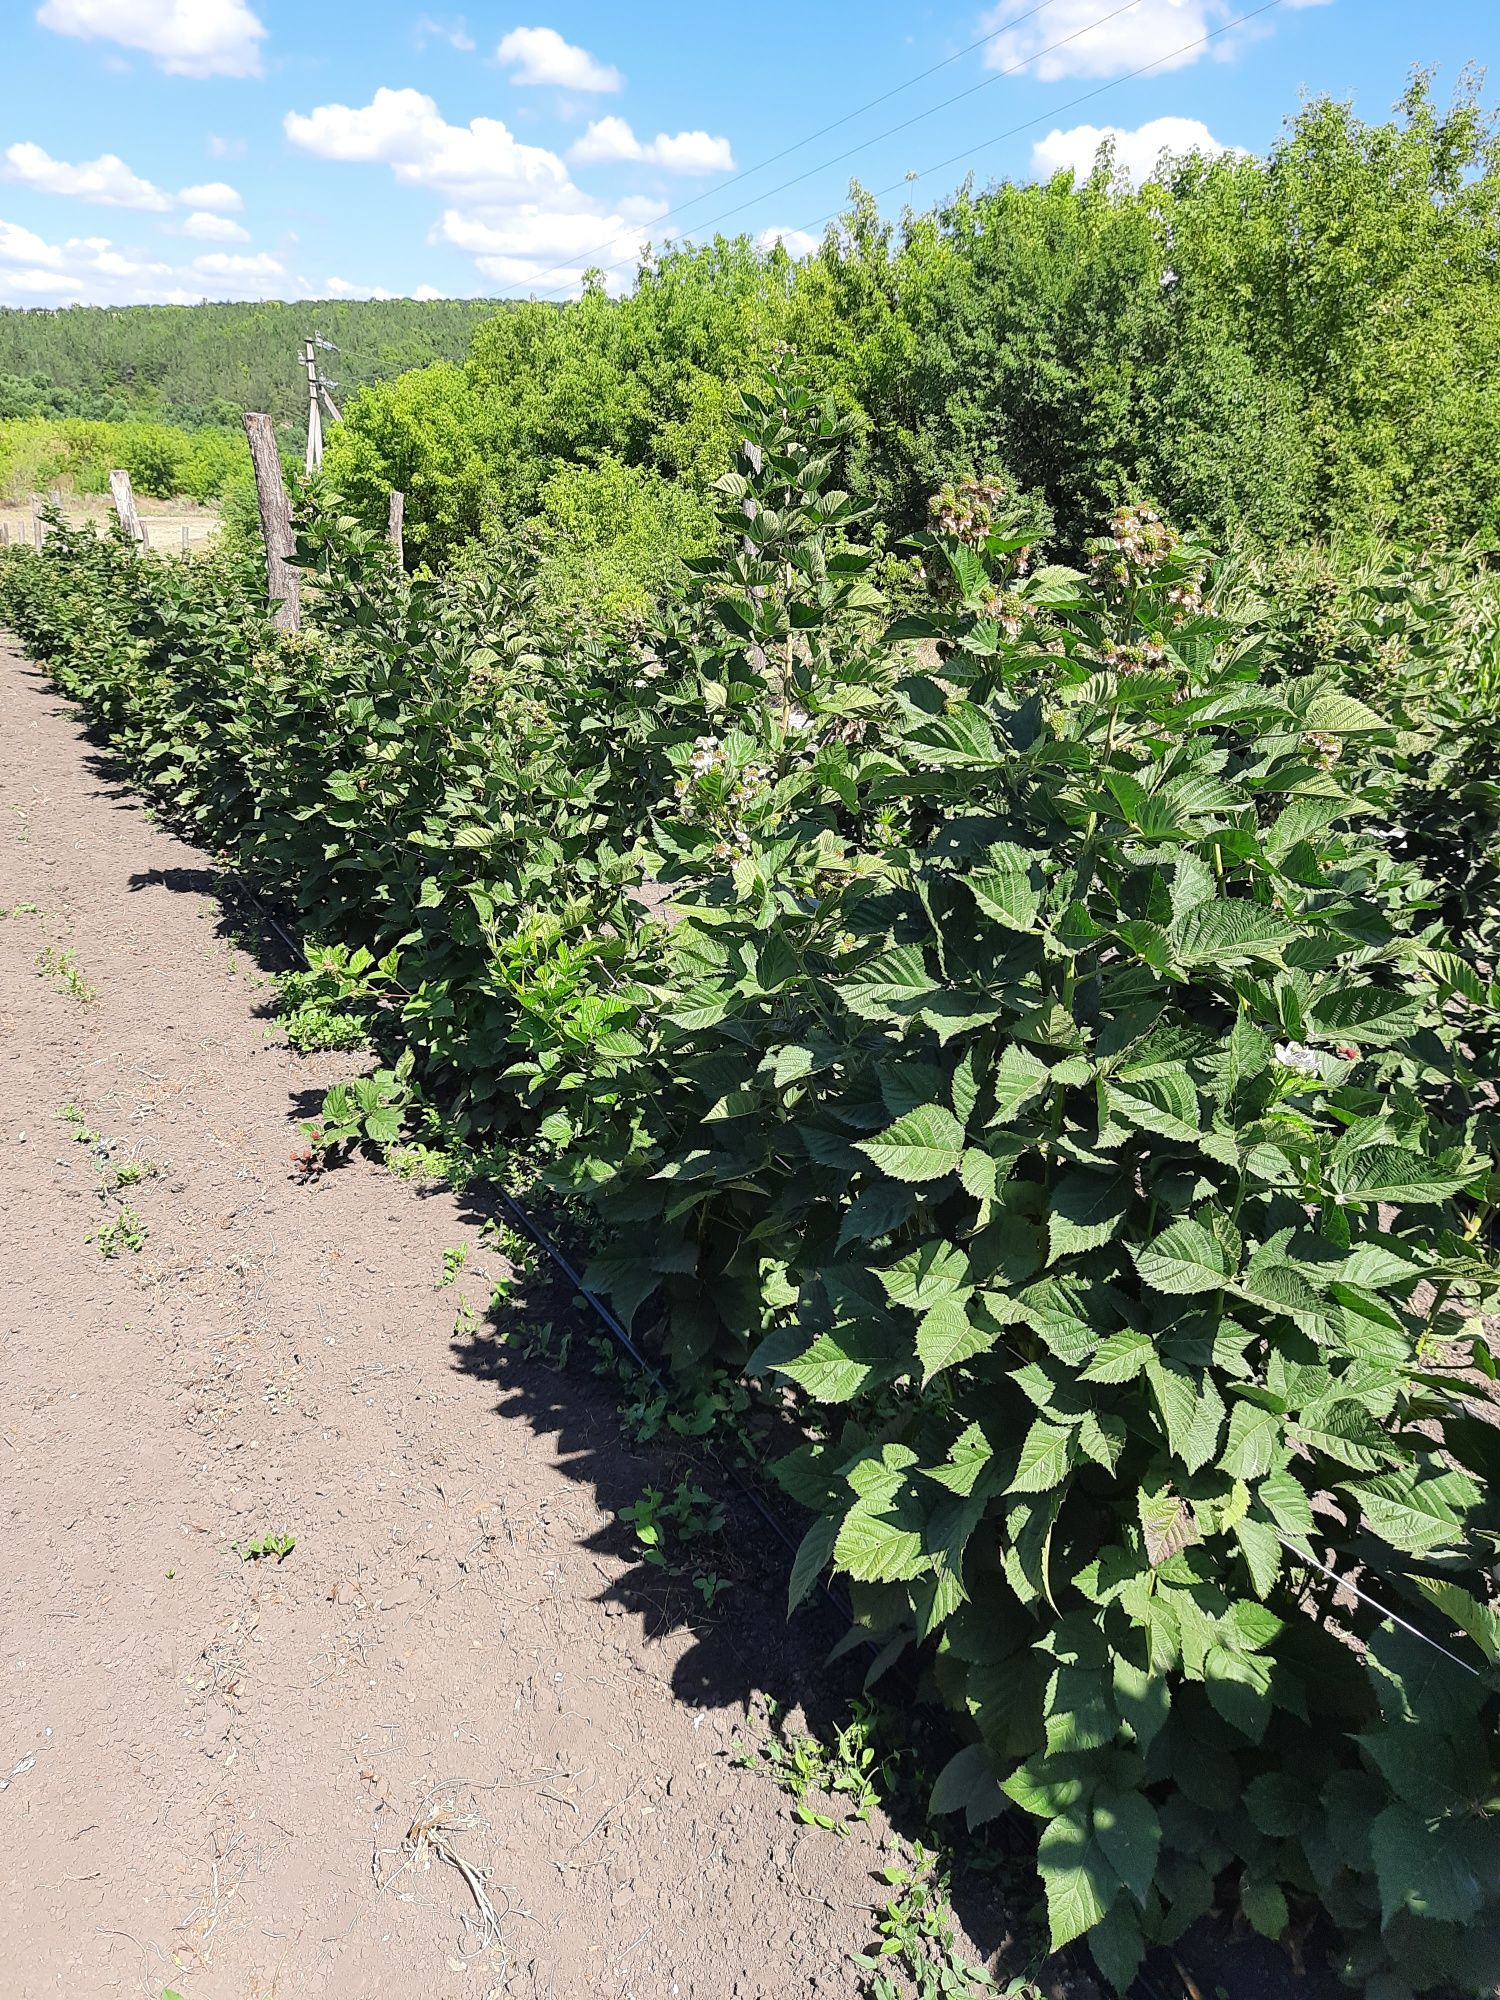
(79,1126)
(665,1526)
(847,1769)
(277,1546)
(454,1260)
(60,968)
(369,1111)
(328,1005)
(124,1231)
(918,1938)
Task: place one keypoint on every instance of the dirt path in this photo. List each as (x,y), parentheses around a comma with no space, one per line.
(202,1756)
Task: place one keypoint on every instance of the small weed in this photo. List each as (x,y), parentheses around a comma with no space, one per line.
(454,1259)
(414,1161)
(277,1546)
(79,1126)
(665,1527)
(314,1007)
(124,1231)
(60,968)
(22,910)
(465,1320)
(848,1769)
(130,1173)
(314,1029)
(539,1342)
(917,1939)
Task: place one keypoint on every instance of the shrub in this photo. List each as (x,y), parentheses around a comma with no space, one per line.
(1045,1070)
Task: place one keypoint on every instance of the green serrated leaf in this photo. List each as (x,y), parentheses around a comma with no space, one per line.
(925,1145)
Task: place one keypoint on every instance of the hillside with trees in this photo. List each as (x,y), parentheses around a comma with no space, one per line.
(202,365)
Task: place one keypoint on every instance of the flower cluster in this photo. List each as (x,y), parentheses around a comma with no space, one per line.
(1007,610)
(966,508)
(1186,598)
(729,792)
(1146,653)
(1322,749)
(1297,1056)
(1138,544)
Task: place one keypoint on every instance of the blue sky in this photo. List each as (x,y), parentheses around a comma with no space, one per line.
(182,149)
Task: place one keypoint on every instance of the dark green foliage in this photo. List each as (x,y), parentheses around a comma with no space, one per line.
(203,365)
(1277,350)
(1012,1028)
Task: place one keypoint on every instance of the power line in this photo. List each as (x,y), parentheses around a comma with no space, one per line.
(823,130)
(858,112)
(1013,69)
(1026,125)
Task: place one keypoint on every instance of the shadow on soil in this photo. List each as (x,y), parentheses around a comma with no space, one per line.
(744,1646)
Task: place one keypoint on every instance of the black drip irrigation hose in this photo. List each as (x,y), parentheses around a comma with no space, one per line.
(1143,1987)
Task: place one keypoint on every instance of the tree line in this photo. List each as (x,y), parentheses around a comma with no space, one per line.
(1276,349)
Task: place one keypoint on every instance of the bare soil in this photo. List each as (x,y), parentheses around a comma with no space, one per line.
(213,1767)
(164,520)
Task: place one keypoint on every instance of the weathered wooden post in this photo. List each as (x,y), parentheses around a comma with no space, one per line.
(125,507)
(395,521)
(187,541)
(275,522)
(4,534)
(38,525)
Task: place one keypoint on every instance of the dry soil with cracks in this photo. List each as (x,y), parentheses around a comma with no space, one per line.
(439,1749)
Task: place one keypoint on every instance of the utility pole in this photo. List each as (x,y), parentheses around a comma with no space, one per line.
(314,414)
(318,397)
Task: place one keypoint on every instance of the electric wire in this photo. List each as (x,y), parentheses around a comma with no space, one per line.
(822,132)
(969,152)
(1013,69)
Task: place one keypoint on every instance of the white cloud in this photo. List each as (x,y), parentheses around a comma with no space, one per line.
(430,292)
(541,56)
(679,153)
(454,33)
(106,180)
(220,148)
(511,206)
(1078,43)
(185,37)
(230,264)
(1136,153)
(482,160)
(213,228)
(217,195)
(796,242)
(519,246)
(93,270)
(340,288)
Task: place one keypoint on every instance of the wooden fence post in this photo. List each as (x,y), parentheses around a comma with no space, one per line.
(394,527)
(38,525)
(275,522)
(187,540)
(125,507)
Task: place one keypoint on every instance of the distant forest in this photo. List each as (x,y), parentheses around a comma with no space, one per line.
(203,365)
